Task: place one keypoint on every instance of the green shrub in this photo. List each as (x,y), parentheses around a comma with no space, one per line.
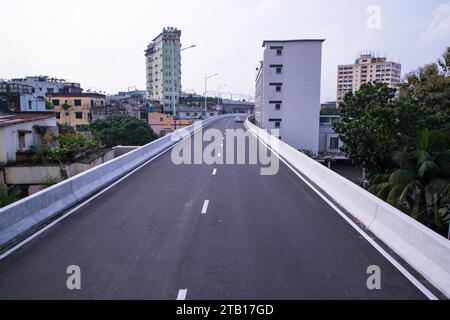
(9,195)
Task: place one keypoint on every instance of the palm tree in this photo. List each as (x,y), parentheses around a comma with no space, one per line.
(421,184)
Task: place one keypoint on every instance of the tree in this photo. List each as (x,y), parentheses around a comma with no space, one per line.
(122,130)
(374,124)
(48,105)
(429,88)
(420,186)
(66,129)
(70,148)
(8,195)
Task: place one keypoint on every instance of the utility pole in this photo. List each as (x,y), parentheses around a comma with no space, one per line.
(206,88)
(174,91)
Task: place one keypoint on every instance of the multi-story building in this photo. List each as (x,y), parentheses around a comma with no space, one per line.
(123,103)
(17,97)
(75,109)
(288,91)
(42,84)
(367,68)
(163,60)
(162,123)
(329,141)
(328,105)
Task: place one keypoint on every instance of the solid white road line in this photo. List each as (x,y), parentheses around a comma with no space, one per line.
(205,207)
(34,235)
(182,294)
(214,171)
(383,252)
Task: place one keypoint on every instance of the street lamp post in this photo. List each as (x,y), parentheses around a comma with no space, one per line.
(174,100)
(206,88)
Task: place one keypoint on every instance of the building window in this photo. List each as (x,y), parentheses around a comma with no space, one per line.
(277,86)
(277,124)
(77,102)
(212,114)
(30,106)
(334,143)
(161,119)
(58,115)
(278,106)
(279,69)
(78,115)
(22,140)
(55,102)
(279,52)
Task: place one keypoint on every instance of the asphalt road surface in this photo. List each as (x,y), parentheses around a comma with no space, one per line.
(261,237)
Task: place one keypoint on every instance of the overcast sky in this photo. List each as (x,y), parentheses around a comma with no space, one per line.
(100,43)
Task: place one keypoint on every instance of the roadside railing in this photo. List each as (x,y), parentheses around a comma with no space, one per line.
(422,248)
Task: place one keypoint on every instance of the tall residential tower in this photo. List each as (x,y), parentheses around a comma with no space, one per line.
(288,91)
(367,68)
(164,68)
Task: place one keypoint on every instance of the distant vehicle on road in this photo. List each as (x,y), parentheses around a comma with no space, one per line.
(239,119)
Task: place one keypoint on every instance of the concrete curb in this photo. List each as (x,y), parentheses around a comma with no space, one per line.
(425,250)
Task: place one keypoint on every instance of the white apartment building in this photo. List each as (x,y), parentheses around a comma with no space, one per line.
(42,84)
(17,97)
(288,91)
(367,68)
(163,60)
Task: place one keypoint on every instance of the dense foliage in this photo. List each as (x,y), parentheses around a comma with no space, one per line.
(374,124)
(401,139)
(122,130)
(8,195)
(420,185)
(70,148)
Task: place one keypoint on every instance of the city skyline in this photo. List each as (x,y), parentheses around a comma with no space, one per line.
(106,40)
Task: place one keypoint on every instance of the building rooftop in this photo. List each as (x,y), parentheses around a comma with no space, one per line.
(76,95)
(39,79)
(169,31)
(293,40)
(13,119)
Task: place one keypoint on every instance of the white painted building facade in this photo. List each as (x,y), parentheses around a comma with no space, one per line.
(288,91)
(329,141)
(18,133)
(41,86)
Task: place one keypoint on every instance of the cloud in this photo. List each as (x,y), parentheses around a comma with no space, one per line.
(439,27)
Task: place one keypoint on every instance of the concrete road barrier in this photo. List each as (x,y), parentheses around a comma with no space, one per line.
(422,248)
(23,216)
